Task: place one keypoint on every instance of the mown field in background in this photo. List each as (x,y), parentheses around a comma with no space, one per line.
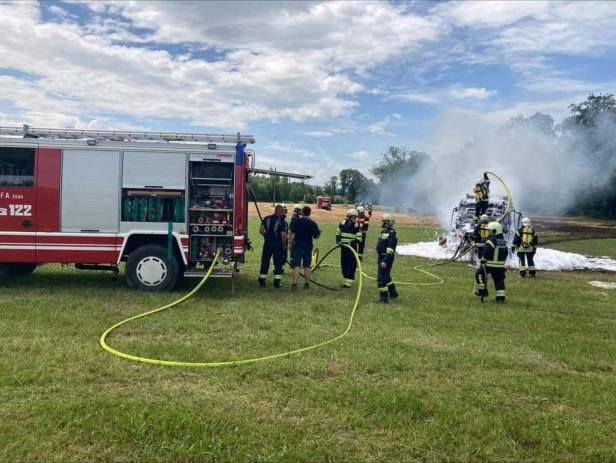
(435,376)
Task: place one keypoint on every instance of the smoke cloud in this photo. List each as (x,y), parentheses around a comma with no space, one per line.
(546,168)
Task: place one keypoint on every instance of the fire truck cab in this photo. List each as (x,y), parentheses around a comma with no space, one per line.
(163,203)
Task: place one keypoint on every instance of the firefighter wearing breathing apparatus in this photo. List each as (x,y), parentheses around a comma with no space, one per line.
(480,236)
(482,195)
(525,242)
(363,220)
(493,263)
(348,233)
(385,249)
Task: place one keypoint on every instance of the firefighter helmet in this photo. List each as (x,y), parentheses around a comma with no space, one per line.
(297,207)
(495,228)
(352,213)
(388,219)
(360,209)
(526,221)
(484,218)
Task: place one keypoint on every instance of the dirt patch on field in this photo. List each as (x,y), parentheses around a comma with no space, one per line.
(339,210)
(556,229)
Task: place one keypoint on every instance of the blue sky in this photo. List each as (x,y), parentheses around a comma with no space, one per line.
(322,86)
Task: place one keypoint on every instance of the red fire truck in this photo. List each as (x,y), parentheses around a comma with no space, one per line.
(163,203)
(324,202)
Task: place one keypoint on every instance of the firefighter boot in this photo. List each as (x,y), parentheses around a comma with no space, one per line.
(262,282)
(500,299)
(384,297)
(277,282)
(392,291)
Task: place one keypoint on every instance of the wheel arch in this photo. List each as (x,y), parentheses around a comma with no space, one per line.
(137,239)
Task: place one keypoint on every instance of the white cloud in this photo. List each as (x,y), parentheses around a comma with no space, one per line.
(490,13)
(341,35)
(380,127)
(361,155)
(289,148)
(285,60)
(472,92)
(318,133)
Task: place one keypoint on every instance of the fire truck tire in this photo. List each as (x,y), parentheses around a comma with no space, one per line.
(17,268)
(148,269)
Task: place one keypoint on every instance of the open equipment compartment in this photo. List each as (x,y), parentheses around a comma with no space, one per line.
(210,210)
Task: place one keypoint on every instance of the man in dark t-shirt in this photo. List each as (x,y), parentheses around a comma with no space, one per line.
(303,231)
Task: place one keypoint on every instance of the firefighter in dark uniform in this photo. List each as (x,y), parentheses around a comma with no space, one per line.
(480,236)
(274,230)
(526,241)
(385,249)
(297,212)
(493,263)
(482,196)
(348,233)
(363,220)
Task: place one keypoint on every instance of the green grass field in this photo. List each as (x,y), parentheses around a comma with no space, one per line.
(434,376)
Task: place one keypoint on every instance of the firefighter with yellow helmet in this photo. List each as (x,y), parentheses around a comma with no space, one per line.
(480,236)
(348,233)
(493,263)
(386,249)
(482,196)
(525,243)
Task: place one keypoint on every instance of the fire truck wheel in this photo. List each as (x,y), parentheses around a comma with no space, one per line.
(148,269)
(17,269)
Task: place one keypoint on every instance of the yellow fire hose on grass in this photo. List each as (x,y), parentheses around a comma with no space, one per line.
(174,363)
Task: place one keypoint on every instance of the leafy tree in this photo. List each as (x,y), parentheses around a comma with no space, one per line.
(398,159)
(587,113)
(591,129)
(352,183)
(331,188)
(539,121)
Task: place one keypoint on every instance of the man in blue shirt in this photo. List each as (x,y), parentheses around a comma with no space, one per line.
(303,231)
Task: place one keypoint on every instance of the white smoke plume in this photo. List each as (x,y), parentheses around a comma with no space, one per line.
(545,168)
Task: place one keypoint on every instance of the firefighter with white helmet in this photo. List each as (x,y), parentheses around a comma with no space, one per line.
(525,243)
(363,220)
(386,249)
(482,195)
(493,263)
(297,212)
(348,233)
(480,236)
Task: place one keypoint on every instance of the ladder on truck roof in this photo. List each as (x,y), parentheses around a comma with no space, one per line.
(124,135)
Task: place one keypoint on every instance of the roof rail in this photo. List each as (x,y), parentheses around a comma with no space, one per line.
(73,134)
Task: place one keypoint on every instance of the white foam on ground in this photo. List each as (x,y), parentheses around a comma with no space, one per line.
(602,284)
(545,259)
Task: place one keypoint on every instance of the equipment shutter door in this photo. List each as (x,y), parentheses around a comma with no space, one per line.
(154,170)
(90,191)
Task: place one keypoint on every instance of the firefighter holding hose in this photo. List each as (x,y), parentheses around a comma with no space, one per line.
(482,195)
(525,242)
(493,263)
(385,249)
(348,233)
